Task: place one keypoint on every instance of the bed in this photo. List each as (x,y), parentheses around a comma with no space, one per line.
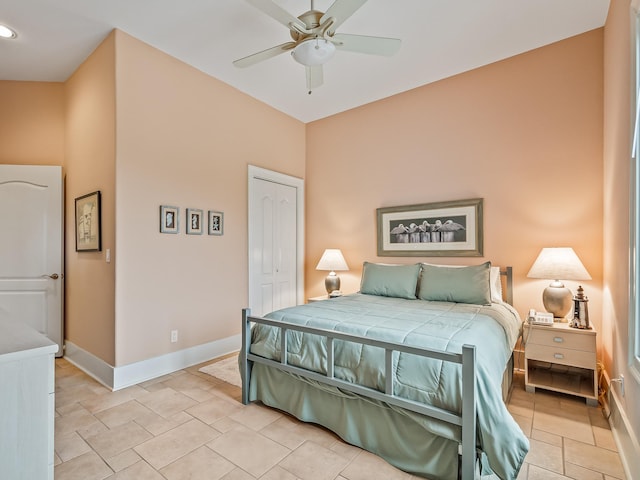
(412,368)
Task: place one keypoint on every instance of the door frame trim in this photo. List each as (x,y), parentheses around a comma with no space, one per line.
(257,173)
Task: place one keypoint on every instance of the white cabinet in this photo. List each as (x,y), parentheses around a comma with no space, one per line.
(26,402)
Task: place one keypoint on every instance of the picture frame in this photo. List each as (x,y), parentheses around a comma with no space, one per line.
(169,219)
(194,221)
(216,223)
(88,222)
(439,229)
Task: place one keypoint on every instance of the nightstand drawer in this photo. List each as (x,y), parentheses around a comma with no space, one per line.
(564,356)
(562,339)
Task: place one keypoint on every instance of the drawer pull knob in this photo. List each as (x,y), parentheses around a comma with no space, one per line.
(558,339)
(558,356)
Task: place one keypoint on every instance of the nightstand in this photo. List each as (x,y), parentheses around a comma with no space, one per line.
(562,359)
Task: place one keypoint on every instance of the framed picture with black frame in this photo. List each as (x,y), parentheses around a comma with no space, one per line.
(88,223)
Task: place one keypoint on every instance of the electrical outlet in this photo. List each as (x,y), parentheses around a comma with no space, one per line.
(174,336)
(619,380)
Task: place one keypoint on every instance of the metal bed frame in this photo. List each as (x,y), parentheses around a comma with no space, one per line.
(467,359)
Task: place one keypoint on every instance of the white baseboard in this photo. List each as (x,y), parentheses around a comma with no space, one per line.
(90,364)
(117,378)
(624,436)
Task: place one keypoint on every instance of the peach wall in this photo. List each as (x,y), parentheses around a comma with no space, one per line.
(616,176)
(90,166)
(617,152)
(525,134)
(185,139)
(32,123)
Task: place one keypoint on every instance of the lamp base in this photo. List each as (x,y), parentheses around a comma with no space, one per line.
(557,299)
(332,282)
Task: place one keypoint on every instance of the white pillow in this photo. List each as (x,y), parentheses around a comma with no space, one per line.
(495,284)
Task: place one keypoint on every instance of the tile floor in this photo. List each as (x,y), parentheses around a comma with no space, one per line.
(188,425)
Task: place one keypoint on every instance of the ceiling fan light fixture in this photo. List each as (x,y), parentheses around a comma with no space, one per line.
(6,32)
(314,51)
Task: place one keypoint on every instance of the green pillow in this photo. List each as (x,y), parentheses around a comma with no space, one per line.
(459,285)
(390,280)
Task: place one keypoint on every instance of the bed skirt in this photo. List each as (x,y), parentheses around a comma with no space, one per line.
(366,423)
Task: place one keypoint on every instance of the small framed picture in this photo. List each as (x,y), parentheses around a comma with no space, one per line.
(194,221)
(216,220)
(169,219)
(88,223)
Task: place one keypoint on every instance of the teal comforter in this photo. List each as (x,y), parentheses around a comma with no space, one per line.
(438,325)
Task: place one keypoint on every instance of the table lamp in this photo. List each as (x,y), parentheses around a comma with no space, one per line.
(558,264)
(332,260)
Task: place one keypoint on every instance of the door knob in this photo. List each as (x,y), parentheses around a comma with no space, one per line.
(53,276)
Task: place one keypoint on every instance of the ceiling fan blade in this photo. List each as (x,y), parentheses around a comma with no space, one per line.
(314,77)
(264,55)
(365,44)
(277,13)
(341,10)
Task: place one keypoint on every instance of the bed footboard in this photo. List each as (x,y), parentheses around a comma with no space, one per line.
(467,420)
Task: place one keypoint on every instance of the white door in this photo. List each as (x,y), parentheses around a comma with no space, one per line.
(275,243)
(31,246)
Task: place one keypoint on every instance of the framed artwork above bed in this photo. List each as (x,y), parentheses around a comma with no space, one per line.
(440,229)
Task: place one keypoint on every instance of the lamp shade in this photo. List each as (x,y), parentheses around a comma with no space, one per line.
(332,260)
(314,51)
(559,263)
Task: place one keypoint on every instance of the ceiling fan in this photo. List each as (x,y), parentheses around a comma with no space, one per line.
(315,39)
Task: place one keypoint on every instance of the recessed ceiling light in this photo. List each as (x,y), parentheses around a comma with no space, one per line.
(6,32)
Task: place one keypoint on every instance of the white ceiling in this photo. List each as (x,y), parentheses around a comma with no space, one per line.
(440,38)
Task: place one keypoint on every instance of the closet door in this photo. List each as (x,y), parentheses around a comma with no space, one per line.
(273,246)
